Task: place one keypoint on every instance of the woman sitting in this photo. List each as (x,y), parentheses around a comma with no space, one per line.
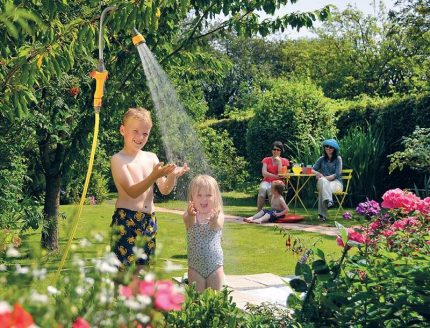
(328,170)
(272,168)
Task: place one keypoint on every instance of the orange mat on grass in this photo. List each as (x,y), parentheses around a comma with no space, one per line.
(290,218)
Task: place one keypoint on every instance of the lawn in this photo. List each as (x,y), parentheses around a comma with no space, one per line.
(248,249)
(244,205)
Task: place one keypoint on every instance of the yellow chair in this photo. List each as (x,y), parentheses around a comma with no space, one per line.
(341,195)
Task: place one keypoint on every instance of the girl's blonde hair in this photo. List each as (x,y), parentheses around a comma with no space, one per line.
(138,113)
(207,182)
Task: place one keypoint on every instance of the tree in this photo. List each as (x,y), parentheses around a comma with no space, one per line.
(41,65)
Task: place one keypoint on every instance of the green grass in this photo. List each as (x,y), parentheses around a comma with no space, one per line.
(248,249)
(245,204)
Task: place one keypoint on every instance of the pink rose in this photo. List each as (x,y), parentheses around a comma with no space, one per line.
(356,236)
(339,241)
(81,323)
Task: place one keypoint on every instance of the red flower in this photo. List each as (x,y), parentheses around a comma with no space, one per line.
(74,91)
(339,241)
(19,318)
(81,323)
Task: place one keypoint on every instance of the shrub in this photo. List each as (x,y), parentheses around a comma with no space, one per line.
(294,112)
(385,283)
(209,309)
(89,294)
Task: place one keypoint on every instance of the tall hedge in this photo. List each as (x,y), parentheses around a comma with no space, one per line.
(396,118)
(294,111)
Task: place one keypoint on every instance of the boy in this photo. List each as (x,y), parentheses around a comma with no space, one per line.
(278,204)
(134,172)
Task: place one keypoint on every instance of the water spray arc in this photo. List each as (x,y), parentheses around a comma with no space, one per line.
(100,75)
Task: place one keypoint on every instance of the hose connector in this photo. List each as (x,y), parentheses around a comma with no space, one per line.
(137,38)
(100,78)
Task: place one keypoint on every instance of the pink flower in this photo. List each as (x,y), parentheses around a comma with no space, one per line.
(339,241)
(402,224)
(147,287)
(424,206)
(375,225)
(126,291)
(168,300)
(397,198)
(356,236)
(81,323)
(387,232)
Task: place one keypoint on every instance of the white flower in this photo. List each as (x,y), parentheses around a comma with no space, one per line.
(143,318)
(38,298)
(5,307)
(3,267)
(149,277)
(80,290)
(77,261)
(84,242)
(170,266)
(52,290)
(21,270)
(108,264)
(98,237)
(89,281)
(12,252)
(39,274)
(143,299)
(133,305)
(139,253)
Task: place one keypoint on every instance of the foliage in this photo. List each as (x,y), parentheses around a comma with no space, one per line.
(18,208)
(229,168)
(236,128)
(291,112)
(91,291)
(385,282)
(416,153)
(209,309)
(270,316)
(363,150)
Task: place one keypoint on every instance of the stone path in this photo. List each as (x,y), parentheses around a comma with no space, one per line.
(331,231)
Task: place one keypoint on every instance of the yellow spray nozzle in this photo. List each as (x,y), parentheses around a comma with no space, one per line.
(100,78)
(138,39)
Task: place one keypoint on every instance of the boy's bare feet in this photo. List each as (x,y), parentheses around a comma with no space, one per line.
(247,220)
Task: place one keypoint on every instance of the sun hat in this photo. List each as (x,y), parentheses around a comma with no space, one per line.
(332,143)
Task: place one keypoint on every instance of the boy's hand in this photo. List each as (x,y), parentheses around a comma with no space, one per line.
(191,210)
(181,170)
(161,170)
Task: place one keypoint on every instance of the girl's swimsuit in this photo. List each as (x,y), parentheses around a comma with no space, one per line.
(204,249)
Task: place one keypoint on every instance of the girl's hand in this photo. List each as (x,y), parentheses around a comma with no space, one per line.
(191,210)
(214,216)
(319,175)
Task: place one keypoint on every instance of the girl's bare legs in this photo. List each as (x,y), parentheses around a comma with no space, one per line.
(216,279)
(194,276)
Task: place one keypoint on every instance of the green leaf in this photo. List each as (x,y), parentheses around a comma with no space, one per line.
(320,267)
(298,285)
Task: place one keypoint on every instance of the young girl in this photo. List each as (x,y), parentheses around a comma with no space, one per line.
(278,204)
(204,220)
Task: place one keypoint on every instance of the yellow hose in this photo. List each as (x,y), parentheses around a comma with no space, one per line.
(83,197)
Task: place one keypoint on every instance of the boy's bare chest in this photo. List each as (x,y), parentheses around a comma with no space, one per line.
(139,170)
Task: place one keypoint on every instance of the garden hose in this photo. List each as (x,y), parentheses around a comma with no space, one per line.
(100,75)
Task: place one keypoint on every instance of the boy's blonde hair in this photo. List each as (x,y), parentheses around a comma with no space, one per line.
(207,182)
(138,113)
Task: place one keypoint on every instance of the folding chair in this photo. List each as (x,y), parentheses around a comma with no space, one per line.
(340,196)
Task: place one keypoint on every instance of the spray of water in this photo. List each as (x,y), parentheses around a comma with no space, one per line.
(180,140)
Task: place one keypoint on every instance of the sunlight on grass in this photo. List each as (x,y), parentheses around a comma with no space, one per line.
(248,249)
